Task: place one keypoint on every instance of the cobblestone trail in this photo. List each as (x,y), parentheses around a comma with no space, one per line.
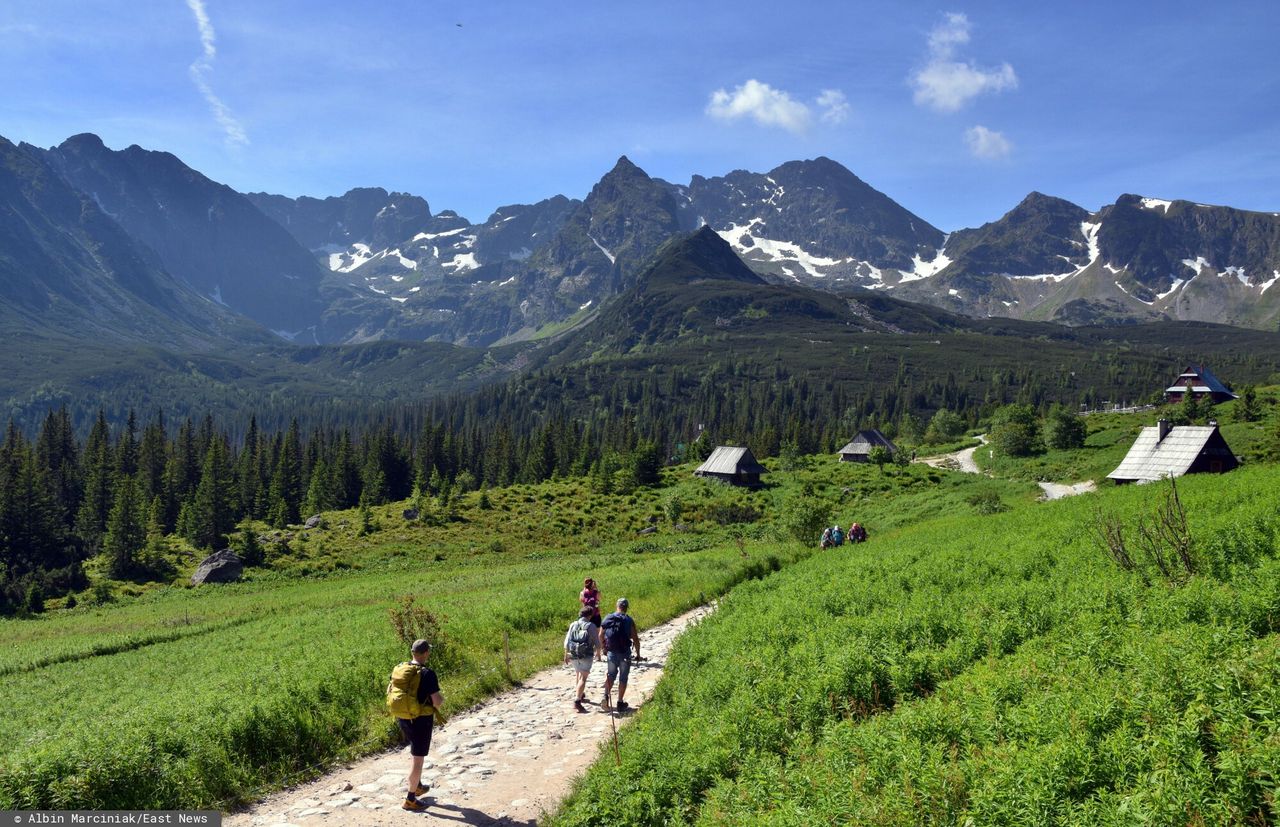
(504,762)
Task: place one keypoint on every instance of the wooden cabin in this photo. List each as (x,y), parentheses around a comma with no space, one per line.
(859,448)
(1203,384)
(1167,451)
(732,466)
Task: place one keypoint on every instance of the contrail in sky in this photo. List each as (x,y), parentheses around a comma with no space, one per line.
(202,67)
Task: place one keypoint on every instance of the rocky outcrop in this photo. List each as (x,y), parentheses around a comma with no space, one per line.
(220,567)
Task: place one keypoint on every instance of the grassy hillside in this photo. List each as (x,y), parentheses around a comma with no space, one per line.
(970,669)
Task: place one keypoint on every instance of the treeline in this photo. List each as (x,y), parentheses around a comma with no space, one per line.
(122,490)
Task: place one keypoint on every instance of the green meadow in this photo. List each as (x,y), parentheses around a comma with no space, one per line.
(982,659)
(998,668)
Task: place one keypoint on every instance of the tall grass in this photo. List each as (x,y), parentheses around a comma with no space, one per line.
(977,670)
(204,698)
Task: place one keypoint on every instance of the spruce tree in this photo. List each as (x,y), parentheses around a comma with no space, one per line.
(286,481)
(213,506)
(99,483)
(126,530)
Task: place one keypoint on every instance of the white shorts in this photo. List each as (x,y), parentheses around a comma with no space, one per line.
(582,664)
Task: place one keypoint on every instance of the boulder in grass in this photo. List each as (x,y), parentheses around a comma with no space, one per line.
(220,567)
(647,530)
(314,521)
(411,514)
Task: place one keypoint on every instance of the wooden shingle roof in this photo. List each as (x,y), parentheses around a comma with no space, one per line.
(727,460)
(1152,458)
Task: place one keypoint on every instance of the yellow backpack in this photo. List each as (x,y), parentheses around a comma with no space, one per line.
(402,692)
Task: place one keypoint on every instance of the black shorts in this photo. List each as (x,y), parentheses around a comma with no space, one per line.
(417,732)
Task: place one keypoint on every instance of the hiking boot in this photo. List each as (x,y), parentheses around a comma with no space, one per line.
(622,706)
(423,789)
(577,704)
(413,805)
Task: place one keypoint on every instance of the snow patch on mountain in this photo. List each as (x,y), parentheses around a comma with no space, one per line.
(612,258)
(1198,264)
(461,262)
(1172,289)
(430,236)
(1239,273)
(783,252)
(1266,285)
(348,261)
(1156,204)
(922,269)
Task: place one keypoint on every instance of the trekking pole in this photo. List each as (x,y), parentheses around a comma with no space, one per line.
(617,756)
(506,651)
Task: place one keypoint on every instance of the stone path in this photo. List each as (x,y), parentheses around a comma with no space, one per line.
(960,460)
(1058,490)
(505,762)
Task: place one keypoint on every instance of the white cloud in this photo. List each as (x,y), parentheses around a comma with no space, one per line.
(200,69)
(987,143)
(946,83)
(834,106)
(762,103)
(774,107)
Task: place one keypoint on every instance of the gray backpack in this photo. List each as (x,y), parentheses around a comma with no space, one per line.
(580,640)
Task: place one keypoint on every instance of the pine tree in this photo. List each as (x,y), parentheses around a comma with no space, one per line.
(126,531)
(286,481)
(127,448)
(248,548)
(99,484)
(213,507)
(58,455)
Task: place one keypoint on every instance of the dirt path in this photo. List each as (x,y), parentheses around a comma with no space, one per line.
(959,460)
(504,762)
(963,461)
(1058,490)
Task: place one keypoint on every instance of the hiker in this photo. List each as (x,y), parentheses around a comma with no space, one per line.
(580,649)
(413,696)
(590,598)
(827,541)
(617,634)
(837,536)
(857,533)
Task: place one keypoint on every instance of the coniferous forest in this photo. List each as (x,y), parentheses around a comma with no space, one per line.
(116,489)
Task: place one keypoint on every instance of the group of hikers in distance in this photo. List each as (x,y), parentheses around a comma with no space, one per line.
(833,536)
(413,693)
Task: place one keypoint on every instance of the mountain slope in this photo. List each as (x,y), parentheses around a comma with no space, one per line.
(67,269)
(813,222)
(204,233)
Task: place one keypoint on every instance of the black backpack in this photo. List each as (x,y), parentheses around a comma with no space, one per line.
(617,633)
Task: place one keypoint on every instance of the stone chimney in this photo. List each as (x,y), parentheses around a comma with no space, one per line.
(1165,426)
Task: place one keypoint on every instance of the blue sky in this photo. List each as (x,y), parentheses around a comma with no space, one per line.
(955,110)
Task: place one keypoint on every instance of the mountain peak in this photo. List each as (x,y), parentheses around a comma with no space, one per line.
(698,256)
(85,140)
(625,168)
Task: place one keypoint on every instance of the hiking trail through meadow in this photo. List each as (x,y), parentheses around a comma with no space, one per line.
(505,762)
(963,461)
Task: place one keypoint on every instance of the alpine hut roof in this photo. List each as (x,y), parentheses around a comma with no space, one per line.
(726,460)
(864,441)
(1153,457)
(1202,381)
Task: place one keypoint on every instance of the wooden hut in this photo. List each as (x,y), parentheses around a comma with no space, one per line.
(1203,384)
(1165,451)
(859,448)
(733,466)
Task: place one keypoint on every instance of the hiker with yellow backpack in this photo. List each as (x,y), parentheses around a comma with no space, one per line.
(413,697)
